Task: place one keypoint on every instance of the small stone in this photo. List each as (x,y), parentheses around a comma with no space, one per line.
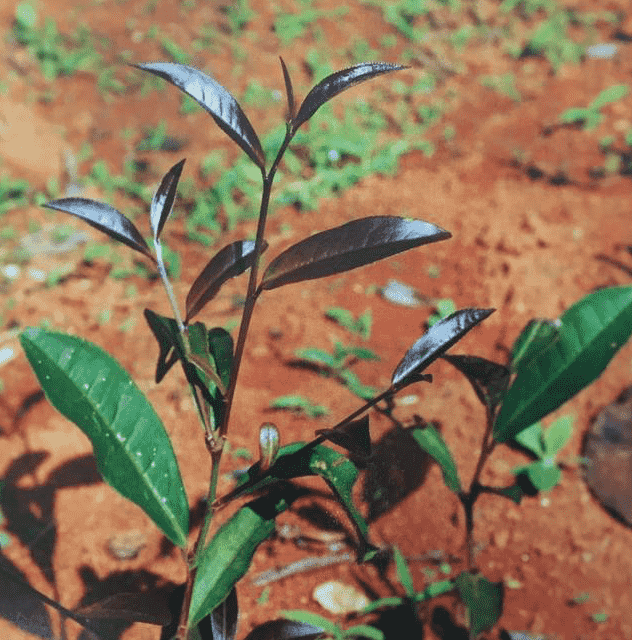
(127,545)
(339,598)
(602,51)
(401,294)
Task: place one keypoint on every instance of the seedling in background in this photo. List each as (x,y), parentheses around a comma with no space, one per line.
(337,365)
(590,117)
(134,452)
(46,44)
(544,474)
(299,404)
(344,317)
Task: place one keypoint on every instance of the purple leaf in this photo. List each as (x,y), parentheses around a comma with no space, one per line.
(351,245)
(104,218)
(215,99)
(289,91)
(337,82)
(163,199)
(436,341)
(231,261)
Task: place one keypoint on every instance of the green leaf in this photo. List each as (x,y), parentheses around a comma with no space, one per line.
(306,617)
(544,474)
(484,600)
(537,336)
(228,555)
(591,333)
(557,435)
(133,451)
(574,114)
(403,572)
(364,631)
(340,474)
(316,356)
(611,94)
(531,439)
(298,460)
(430,440)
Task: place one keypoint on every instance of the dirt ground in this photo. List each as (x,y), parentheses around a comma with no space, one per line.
(531,224)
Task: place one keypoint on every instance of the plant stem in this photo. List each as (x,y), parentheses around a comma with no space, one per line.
(252,294)
(469,498)
(194,555)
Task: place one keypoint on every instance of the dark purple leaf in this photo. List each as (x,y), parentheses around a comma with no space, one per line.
(289,91)
(489,379)
(104,218)
(353,436)
(351,245)
(436,341)
(215,99)
(131,607)
(224,618)
(229,262)
(164,197)
(285,630)
(337,82)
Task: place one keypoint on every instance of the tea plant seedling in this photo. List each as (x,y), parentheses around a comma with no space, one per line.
(134,452)
(337,365)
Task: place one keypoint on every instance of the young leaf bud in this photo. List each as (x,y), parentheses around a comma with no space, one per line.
(269,443)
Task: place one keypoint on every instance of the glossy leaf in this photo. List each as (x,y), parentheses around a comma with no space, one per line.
(298,460)
(215,99)
(224,618)
(228,555)
(591,333)
(351,245)
(337,82)
(488,379)
(436,341)
(484,600)
(104,218)
(149,608)
(133,451)
(430,440)
(289,92)
(162,202)
(229,262)
(285,630)
(538,335)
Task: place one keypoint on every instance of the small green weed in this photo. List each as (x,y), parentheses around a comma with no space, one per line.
(331,628)
(443,308)
(337,365)
(590,117)
(300,405)
(544,473)
(49,47)
(344,317)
